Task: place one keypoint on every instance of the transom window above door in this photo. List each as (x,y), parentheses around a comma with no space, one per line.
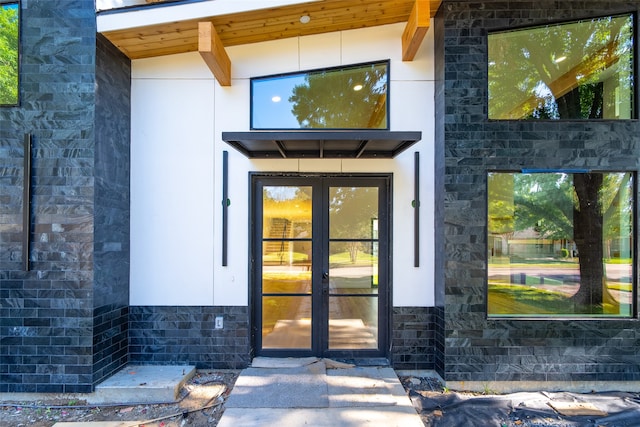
(347,97)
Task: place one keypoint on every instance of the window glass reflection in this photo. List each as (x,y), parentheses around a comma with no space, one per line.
(9,53)
(577,70)
(286,243)
(353,212)
(353,267)
(560,244)
(286,322)
(353,97)
(353,322)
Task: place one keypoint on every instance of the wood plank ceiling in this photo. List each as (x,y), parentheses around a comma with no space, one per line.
(277,23)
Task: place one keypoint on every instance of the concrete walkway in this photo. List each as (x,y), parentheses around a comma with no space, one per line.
(307,392)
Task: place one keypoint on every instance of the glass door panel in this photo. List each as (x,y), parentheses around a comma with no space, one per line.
(353,268)
(285,276)
(353,322)
(286,322)
(353,213)
(353,277)
(286,267)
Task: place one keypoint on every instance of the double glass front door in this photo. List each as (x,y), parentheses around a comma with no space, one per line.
(321,269)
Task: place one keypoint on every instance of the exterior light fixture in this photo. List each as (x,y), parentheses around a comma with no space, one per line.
(304,19)
(357,87)
(559,59)
(276,98)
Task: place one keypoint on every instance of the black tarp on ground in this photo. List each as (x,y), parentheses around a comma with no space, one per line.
(527,409)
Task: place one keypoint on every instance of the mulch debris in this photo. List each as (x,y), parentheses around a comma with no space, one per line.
(200,403)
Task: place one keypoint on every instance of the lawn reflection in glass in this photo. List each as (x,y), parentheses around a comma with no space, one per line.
(560,244)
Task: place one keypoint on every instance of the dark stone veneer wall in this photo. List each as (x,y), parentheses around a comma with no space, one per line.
(186,335)
(413,338)
(63,324)
(111,211)
(474,348)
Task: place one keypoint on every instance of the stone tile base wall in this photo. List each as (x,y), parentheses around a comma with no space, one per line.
(413,338)
(187,335)
(439,342)
(110,340)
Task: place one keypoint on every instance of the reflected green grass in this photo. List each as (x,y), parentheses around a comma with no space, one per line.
(362,258)
(517,300)
(524,300)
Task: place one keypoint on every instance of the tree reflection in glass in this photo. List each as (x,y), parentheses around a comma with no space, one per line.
(560,244)
(576,70)
(9,53)
(352,97)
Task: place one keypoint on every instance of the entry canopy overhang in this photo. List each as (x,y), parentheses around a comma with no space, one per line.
(352,144)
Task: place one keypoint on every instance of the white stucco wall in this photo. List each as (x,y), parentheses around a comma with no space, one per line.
(178,115)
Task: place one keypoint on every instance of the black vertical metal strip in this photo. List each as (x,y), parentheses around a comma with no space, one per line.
(225,204)
(416,210)
(26,204)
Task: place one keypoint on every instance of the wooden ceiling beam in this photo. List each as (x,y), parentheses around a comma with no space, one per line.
(212,51)
(415,30)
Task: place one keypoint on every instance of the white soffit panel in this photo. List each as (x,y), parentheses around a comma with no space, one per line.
(180,66)
(264,58)
(320,50)
(141,17)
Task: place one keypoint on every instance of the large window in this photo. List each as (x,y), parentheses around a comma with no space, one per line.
(352,97)
(9,53)
(576,70)
(561,244)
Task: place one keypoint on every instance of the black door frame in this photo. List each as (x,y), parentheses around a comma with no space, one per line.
(322,181)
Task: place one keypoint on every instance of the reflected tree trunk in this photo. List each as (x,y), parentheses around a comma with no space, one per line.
(353,251)
(588,237)
(569,104)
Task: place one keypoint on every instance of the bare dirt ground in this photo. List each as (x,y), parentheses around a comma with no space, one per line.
(201,403)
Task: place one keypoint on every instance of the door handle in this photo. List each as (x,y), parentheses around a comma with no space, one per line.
(325,282)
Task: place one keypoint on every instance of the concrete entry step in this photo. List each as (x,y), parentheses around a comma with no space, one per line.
(317,392)
(143,384)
